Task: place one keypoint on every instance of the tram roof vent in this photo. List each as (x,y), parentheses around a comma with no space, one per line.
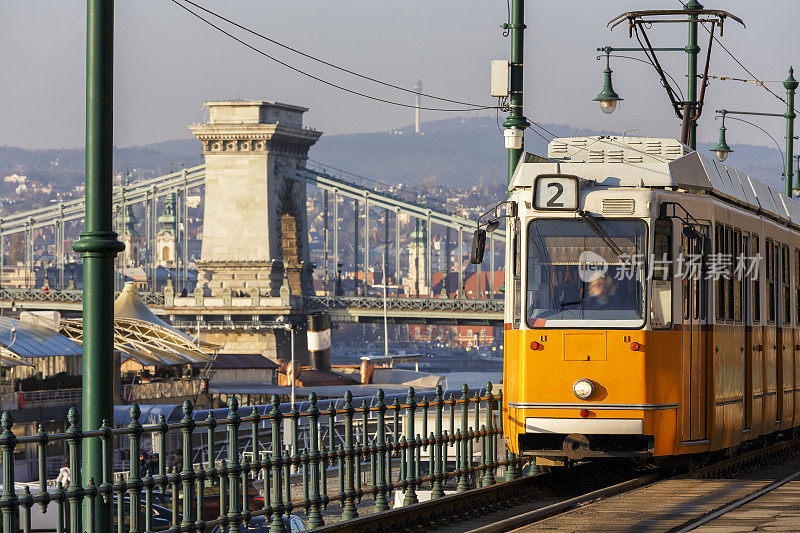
(612,149)
(618,206)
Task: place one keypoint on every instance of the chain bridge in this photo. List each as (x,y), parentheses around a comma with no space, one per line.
(257,261)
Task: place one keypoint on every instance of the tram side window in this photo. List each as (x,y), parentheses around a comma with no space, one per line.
(797,285)
(786,292)
(728,274)
(700,288)
(770,269)
(719,249)
(736,275)
(756,292)
(686,250)
(517,261)
(661,301)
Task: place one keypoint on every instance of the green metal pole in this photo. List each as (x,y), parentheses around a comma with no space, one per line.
(791,86)
(515,117)
(98,246)
(692,49)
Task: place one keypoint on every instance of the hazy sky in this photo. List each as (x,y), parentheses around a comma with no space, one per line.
(168,63)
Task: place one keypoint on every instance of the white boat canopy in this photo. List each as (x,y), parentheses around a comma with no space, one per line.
(140,335)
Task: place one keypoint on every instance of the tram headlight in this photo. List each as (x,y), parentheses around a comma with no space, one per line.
(583,389)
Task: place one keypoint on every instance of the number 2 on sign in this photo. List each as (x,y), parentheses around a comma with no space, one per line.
(555,192)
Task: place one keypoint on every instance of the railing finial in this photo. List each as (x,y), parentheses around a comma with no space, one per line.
(187,408)
(135,412)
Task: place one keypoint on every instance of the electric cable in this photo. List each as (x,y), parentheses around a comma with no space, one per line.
(539,134)
(544,129)
(728,117)
(322,61)
(750,72)
(677,85)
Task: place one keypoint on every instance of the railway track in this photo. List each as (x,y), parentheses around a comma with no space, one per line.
(777,460)
(520,504)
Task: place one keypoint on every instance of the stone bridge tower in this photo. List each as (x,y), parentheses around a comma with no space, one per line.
(255,228)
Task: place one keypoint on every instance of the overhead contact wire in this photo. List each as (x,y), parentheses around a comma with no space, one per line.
(476,107)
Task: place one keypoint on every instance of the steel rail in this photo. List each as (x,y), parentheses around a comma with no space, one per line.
(560,507)
(708,517)
(713,469)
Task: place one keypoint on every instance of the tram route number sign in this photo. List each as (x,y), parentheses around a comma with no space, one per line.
(555,192)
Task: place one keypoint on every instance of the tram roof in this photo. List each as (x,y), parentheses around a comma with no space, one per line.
(625,161)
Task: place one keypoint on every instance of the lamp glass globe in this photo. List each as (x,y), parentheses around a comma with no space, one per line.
(608,106)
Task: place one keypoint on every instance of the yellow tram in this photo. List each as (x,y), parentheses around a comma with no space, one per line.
(652,303)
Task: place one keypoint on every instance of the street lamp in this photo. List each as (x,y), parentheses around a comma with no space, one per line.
(688,107)
(721,149)
(608,98)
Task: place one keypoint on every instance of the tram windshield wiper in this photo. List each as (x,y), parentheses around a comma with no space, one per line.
(591,221)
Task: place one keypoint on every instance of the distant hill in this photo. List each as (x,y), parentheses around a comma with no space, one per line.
(458,152)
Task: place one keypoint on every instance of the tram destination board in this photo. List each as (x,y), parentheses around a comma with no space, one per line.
(555,192)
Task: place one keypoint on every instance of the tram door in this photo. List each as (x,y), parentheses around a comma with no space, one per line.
(694,338)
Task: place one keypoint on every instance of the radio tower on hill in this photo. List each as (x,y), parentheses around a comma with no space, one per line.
(417,100)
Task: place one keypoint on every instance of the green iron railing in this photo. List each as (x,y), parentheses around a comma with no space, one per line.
(384,449)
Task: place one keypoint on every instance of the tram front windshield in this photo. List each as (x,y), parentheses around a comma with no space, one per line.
(579,276)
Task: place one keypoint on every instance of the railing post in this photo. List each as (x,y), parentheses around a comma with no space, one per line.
(460,471)
(425,406)
(340,475)
(222,473)
(396,420)
(403,449)
(148,483)
(108,475)
(163,428)
(200,479)
(349,510)
(294,414)
(411,493)
(187,474)
(466,461)
(75,489)
(306,460)
(443,448)
(119,487)
(275,416)
(363,449)
(488,473)
(484,455)
(332,432)
(26,501)
(255,464)
(266,472)
(381,504)
(233,465)
(417,463)
(314,514)
(245,486)
(91,494)
(430,441)
(134,474)
(211,468)
(372,449)
(437,491)
(287,482)
(42,463)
